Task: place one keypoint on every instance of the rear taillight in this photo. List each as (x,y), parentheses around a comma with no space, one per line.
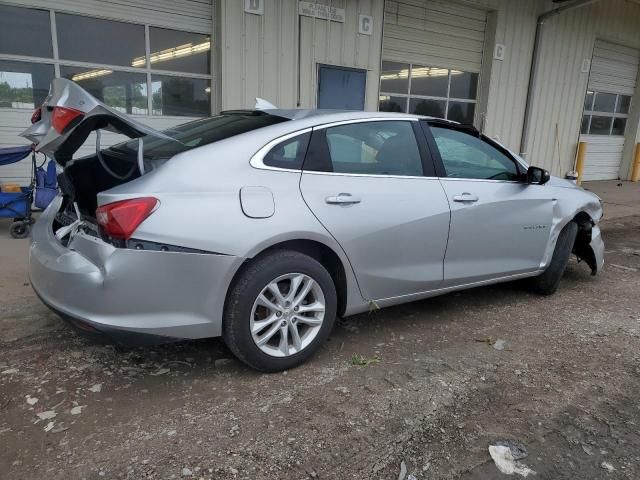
(121,219)
(61,117)
(36,115)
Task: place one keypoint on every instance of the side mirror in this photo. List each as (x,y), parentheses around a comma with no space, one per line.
(537,176)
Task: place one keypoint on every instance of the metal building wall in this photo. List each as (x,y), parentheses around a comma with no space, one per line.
(260,52)
(559,94)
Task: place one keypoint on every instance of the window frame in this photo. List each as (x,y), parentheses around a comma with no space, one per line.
(469,130)
(147,70)
(590,113)
(408,96)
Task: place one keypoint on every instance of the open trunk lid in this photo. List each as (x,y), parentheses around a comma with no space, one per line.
(68,116)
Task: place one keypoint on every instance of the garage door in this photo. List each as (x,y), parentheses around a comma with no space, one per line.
(432,56)
(612,81)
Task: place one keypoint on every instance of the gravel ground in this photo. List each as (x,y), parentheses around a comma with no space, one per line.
(423,386)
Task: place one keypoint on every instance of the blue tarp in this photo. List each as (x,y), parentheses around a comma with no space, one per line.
(13,154)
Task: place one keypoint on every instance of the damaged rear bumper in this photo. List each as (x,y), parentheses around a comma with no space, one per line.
(131,296)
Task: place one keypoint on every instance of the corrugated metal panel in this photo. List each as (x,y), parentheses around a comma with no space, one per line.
(567,40)
(434,33)
(260,52)
(190,15)
(614,68)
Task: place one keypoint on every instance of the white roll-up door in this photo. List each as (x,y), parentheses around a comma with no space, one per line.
(612,81)
(434,33)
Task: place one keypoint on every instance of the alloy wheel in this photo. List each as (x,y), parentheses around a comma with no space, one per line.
(287,315)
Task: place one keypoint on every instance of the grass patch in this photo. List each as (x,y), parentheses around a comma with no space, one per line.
(362,361)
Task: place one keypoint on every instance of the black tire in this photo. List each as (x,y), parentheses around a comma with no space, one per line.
(547,283)
(20,229)
(243,293)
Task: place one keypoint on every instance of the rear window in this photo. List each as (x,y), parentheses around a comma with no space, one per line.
(198,133)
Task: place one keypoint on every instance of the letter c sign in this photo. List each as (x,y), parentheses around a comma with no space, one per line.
(365,24)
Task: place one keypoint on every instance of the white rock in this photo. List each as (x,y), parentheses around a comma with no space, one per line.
(186,472)
(10,371)
(499,344)
(31,400)
(161,371)
(403,471)
(608,467)
(49,426)
(234,471)
(97,388)
(504,461)
(77,410)
(48,415)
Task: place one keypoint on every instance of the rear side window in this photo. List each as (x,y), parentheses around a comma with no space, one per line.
(372,148)
(467,156)
(289,153)
(198,133)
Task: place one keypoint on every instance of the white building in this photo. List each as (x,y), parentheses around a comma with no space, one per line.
(539,75)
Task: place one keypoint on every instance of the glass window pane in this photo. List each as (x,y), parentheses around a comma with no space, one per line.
(463,85)
(467,156)
(288,154)
(394,77)
(619,125)
(390,103)
(588,101)
(461,112)
(95,40)
(180,96)
(600,125)
(178,51)
(430,108)
(623,104)
(24,85)
(604,102)
(429,81)
(25,31)
(375,148)
(124,91)
(584,127)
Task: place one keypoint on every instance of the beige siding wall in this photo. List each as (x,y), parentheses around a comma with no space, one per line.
(559,94)
(259,53)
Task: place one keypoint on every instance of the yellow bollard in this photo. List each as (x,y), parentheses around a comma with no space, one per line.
(635,176)
(582,151)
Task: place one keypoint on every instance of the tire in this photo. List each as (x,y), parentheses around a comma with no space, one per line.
(245,314)
(20,229)
(547,283)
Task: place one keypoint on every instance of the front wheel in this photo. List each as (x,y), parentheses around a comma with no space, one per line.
(20,229)
(279,311)
(547,283)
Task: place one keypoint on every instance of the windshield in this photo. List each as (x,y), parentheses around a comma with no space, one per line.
(198,133)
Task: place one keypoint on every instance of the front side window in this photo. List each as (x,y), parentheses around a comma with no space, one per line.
(431,91)
(373,148)
(288,154)
(467,156)
(605,113)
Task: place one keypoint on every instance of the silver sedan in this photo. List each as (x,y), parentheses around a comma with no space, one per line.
(262,226)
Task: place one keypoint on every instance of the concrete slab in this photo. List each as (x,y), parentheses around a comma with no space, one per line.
(621,199)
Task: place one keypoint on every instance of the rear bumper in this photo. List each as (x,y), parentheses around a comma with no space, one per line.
(132,296)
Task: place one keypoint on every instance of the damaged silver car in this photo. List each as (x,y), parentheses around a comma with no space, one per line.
(263,226)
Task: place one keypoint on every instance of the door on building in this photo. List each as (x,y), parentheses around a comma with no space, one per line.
(341,88)
(612,81)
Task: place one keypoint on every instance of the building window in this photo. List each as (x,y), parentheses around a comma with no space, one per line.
(605,113)
(108,58)
(431,91)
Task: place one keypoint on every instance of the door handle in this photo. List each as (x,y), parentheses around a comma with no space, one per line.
(465,197)
(342,199)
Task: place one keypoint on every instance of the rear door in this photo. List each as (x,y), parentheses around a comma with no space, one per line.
(372,185)
(500,225)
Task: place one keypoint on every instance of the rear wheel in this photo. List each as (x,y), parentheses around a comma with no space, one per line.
(279,311)
(20,229)
(547,283)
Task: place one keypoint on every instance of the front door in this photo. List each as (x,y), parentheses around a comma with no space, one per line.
(341,88)
(367,183)
(500,226)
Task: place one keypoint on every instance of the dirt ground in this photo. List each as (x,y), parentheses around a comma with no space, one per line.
(434,394)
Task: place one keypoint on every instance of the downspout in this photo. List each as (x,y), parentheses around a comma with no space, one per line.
(534,65)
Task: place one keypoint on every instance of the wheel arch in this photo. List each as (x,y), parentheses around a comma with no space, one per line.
(582,245)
